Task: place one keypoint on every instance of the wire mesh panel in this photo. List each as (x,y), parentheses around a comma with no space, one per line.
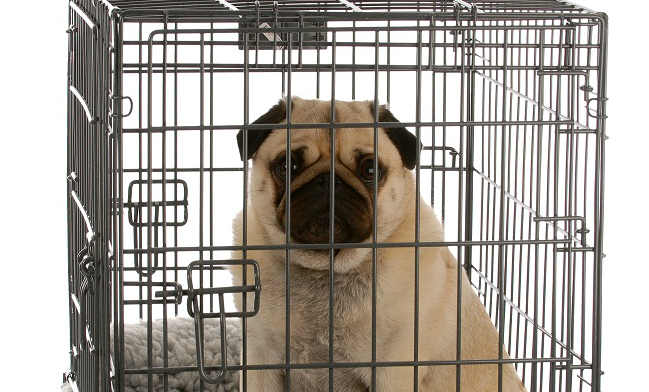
(506,100)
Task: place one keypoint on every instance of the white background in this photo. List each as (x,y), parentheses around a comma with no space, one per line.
(33,289)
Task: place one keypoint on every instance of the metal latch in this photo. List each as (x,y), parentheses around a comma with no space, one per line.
(454,154)
(195,310)
(118,100)
(163,212)
(582,231)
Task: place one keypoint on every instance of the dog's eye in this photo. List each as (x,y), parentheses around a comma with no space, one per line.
(366,170)
(279,167)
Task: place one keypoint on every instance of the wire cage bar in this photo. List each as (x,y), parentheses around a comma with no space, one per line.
(506,97)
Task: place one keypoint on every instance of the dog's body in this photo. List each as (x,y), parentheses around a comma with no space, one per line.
(309,282)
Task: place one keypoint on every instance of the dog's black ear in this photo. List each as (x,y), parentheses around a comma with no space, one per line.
(405,141)
(257,136)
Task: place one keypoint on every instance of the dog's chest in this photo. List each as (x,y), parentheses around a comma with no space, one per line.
(312,292)
(310,326)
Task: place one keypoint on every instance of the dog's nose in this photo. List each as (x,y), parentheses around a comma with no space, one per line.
(324,179)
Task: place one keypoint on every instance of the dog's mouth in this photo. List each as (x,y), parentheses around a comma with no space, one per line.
(316,229)
(310,209)
(323,252)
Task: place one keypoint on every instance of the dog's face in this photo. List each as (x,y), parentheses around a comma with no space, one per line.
(310,174)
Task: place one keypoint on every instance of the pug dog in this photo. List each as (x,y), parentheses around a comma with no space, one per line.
(353,267)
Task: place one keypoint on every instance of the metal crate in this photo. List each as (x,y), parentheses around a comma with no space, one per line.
(508,99)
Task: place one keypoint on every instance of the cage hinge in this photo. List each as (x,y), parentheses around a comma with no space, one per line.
(195,305)
(581,232)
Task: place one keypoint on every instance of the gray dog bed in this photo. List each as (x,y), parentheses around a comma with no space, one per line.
(182,352)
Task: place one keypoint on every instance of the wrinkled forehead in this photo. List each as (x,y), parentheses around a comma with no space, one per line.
(317,141)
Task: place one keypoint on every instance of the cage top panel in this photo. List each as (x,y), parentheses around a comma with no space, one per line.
(481,6)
